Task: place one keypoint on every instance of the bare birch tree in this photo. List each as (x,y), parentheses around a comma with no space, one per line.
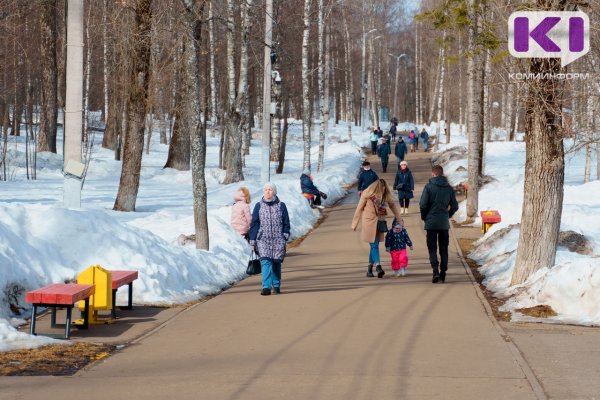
(133,145)
(306,111)
(48,116)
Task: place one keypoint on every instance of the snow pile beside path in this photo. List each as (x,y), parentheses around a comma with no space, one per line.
(572,286)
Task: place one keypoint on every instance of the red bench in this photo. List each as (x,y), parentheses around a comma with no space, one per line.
(121,278)
(489,218)
(60,295)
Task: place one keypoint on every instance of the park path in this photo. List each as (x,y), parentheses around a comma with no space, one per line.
(331,334)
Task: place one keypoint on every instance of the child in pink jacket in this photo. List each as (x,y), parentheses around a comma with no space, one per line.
(240,213)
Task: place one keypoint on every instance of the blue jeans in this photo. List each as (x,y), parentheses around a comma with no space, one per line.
(374,253)
(271,273)
(424,144)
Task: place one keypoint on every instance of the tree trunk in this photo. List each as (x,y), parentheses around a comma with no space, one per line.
(349,78)
(306,112)
(49,66)
(179,148)
(243,99)
(213,69)
(133,145)
(474,121)
(105,75)
(544,173)
(441,89)
(190,117)
(321,83)
(286,115)
(233,135)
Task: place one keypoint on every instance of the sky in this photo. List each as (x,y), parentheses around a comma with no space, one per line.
(43,242)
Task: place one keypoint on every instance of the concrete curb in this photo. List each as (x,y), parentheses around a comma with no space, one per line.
(535,384)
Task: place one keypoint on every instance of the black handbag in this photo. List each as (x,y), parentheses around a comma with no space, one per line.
(254,267)
(381,223)
(382,226)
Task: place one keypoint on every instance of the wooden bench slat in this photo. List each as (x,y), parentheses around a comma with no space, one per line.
(120,278)
(60,293)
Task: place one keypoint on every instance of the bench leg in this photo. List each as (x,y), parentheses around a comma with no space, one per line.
(68,324)
(33,314)
(53,318)
(130,299)
(114,304)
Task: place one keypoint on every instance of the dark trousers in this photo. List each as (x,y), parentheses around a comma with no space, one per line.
(384,164)
(404,202)
(435,238)
(374,147)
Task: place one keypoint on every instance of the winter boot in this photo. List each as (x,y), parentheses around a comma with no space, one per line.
(380,271)
(370,271)
(403,271)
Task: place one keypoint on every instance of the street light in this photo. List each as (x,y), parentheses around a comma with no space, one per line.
(363,85)
(396,86)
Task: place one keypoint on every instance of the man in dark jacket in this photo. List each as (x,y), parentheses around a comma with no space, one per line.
(384,151)
(438,204)
(400,150)
(366,177)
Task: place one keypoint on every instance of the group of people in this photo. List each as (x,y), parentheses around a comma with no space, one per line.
(267,227)
(413,140)
(437,205)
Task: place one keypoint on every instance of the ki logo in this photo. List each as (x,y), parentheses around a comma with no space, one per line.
(549,34)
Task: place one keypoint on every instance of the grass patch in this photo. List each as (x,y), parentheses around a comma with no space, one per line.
(540,311)
(56,360)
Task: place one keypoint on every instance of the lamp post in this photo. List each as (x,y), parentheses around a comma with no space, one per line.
(396,85)
(363,85)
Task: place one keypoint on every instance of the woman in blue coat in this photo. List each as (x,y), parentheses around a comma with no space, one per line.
(405,185)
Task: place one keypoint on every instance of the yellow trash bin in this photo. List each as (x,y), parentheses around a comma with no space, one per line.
(102,297)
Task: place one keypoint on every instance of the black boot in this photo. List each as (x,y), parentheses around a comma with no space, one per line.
(370,271)
(436,276)
(380,271)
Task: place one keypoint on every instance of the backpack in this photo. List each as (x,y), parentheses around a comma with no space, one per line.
(411,136)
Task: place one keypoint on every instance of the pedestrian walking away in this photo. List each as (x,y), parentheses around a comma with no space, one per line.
(400,151)
(240,212)
(424,138)
(373,138)
(366,177)
(396,241)
(384,151)
(310,191)
(412,141)
(393,131)
(372,208)
(269,232)
(438,204)
(404,183)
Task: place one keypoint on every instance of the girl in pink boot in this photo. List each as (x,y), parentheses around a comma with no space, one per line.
(396,241)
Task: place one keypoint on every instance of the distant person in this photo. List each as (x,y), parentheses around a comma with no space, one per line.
(438,204)
(310,191)
(366,177)
(393,131)
(412,141)
(400,150)
(396,241)
(379,132)
(373,139)
(424,136)
(384,151)
(371,208)
(269,232)
(404,183)
(240,213)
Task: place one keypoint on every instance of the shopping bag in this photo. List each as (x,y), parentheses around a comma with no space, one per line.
(254,267)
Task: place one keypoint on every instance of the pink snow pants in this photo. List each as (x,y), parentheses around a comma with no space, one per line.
(399,259)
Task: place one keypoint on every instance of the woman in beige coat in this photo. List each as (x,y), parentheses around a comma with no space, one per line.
(373,205)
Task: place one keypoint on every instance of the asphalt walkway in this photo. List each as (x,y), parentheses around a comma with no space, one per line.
(331,334)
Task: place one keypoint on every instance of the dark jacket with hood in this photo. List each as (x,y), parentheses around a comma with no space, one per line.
(365,178)
(438,203)
(400,150)
(404,183)
(307,185)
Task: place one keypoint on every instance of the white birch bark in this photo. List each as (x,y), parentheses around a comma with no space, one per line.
(474,122)
(86,98)
(321,83)
(213,72)
(589,136)
(349,79)
(417,77)
(441,89)
(306,112)
(434,95)
(461,107)
(243,105)
(105,57)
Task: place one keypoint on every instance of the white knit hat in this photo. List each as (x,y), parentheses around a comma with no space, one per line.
(403,163)
(272,186)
